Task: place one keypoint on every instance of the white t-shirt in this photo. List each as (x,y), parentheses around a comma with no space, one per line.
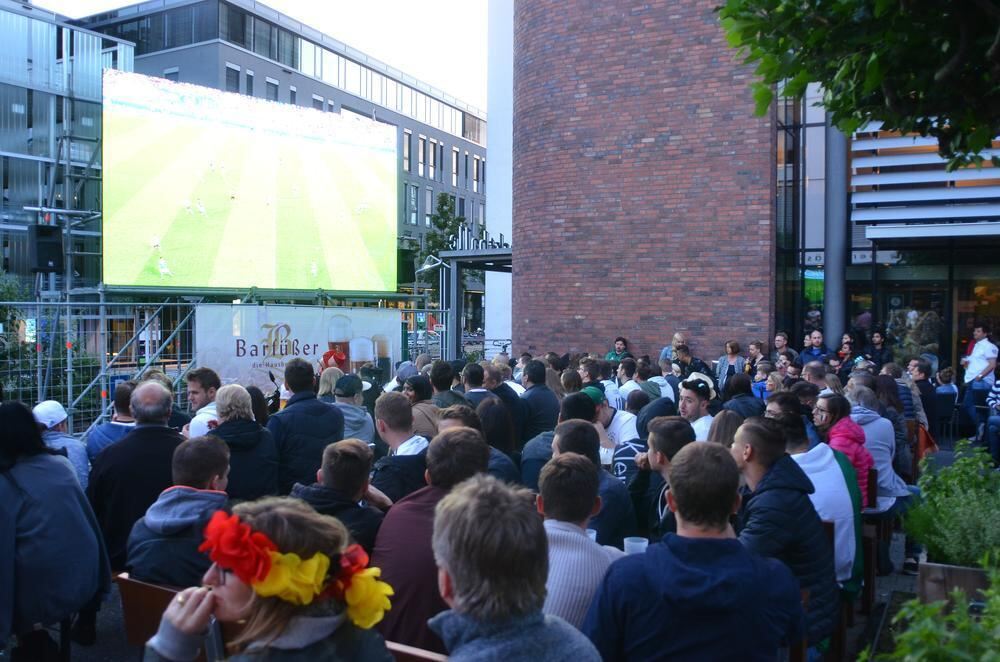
(979,360)
(701,427)
(412,446)
(620,429)
(199,424)
(627,388)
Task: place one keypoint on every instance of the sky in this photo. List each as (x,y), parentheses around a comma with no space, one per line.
(439,42)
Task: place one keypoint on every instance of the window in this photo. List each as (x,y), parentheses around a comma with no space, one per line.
(421,154)
(234,25)
(412,203)
(482,217)
(331,107)
(317,102)
(407,139)
(271,89)
(461,208)
(428,206)
(172,74)
(432,160)
(232,78)
(291,94)
(466,170)
(454,168)
(265,39)
(288,48)
(441,162)
(179,27)
(249,83)
(475,174)
(482,175)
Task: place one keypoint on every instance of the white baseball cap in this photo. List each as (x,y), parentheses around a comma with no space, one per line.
(49,413)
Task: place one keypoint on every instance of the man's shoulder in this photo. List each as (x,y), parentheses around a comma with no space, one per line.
(539,444)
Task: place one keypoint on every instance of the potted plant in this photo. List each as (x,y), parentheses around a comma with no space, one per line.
(957,520)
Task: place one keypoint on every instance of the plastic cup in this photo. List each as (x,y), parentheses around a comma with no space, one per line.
(592,534)
(636,545)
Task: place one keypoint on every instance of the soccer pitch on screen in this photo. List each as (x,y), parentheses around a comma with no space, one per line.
(207,189)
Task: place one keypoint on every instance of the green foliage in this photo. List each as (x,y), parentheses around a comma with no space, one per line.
(958,517)
(444,225)
(932,632)
(920,66)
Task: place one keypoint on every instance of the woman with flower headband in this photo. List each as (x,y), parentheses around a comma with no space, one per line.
(287,574)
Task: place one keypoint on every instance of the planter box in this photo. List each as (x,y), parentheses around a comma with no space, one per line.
(936,580)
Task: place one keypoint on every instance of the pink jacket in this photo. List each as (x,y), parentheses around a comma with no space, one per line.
(847,437)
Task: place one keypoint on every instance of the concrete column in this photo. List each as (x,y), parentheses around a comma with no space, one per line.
(837,236)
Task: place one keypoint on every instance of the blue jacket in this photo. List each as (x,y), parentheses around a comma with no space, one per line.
(745,405)
(541,410)
(536,453)
(253,459)
(694,599)
(301,431)
(75,451)
(617,517)
(810,354)
(515,407)
(502,467)
(536,637)
(52,556)
(104,435)
(778,520)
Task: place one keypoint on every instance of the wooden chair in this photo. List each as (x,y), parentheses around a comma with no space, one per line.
(404,653)
(838,640)
(798,651)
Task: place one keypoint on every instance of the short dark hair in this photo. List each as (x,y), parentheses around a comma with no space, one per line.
(535,371)
(739,384)
(669,434)
(497,425)
(205,377)
(577,406)
(865,378)
(473,374)
(787,401)
(464,414)
(579,437)
(123,396)
(893,369)
(782,334)
(606,368)
(421,387)
(793,429)
(699,387)
(804,390)
(570,380)
(924,366)
(455,455)
(704,481)
(346,465)
(636,400)
(815,369)
(198,460)
(299,375)
(442,375)
(395,410)
(628,366)
(621,339)
(682,349)
(981,324)
(569,485)
(591,367)
(643,370)
(766,438)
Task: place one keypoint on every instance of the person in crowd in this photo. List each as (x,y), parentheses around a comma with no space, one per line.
(53,562)
(620,351)
(498,428)
(815,350)
(52,419)
(420,393)
(833,383)
(490,547)
(689,364)
(404,371)
(570,381)
(920,372)
(538,450)
(457,368)
(522,361)
(401,472)
(781,347)
(340,488)
(724,426)
(814,372)
(128,476)
(913,408)
(500,465)
(616,519)
(877,352)
(666,436)
(306,616)
(667,353)
(403,545)
(328,383)
(800,403)
(508,378)
(740,398)
(643,377)
(590,374)
(777,519)
(846,355)
(636,401)
(442,379)
(654,605)
(880,443)
(755,354)
(946,382)
(493,380)
(303,428)
(832,416)
(609,381)
(696,393)
(664,378)
(258,404)
(163,545)
(348,393)
(619,425)
(891,408)
(775,383)
(832,496)
(473,376)
(178,419)
(731,363)
(121,422)
(422,360)
(253,455)
(202,383)
(568,499)
(541,406)
(626,378)
(793,375)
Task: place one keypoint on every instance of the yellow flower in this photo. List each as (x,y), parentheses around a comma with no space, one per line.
(367,598)
(293,579)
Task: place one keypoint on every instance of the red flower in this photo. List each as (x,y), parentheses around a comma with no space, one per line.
(353,560)
(235,546)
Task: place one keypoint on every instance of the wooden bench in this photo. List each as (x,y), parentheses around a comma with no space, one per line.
(404,653)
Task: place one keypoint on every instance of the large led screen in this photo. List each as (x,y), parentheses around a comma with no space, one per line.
(207,189)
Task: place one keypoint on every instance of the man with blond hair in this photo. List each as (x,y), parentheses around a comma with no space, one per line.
(253,452)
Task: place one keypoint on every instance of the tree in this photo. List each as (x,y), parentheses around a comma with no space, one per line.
(918,66)
(444,226)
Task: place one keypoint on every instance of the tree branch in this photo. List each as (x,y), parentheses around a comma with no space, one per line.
(993,53)
(951,66)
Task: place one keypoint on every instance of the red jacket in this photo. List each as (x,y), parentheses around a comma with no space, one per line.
(847,437)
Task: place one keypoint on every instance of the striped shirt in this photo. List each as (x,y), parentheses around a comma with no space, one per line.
(577,566)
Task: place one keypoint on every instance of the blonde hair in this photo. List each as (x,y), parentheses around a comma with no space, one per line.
(775,383)
(295,528)
(833,383)
(232,402)
(554,383)
(328,380)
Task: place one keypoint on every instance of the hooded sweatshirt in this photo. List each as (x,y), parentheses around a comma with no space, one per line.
(362,521)
(832,501)
(688,598)
(253,459)
(880,441)
(357,423)
(847,437)
(163,547)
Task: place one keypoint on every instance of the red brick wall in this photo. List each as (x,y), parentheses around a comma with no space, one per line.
(643,185)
